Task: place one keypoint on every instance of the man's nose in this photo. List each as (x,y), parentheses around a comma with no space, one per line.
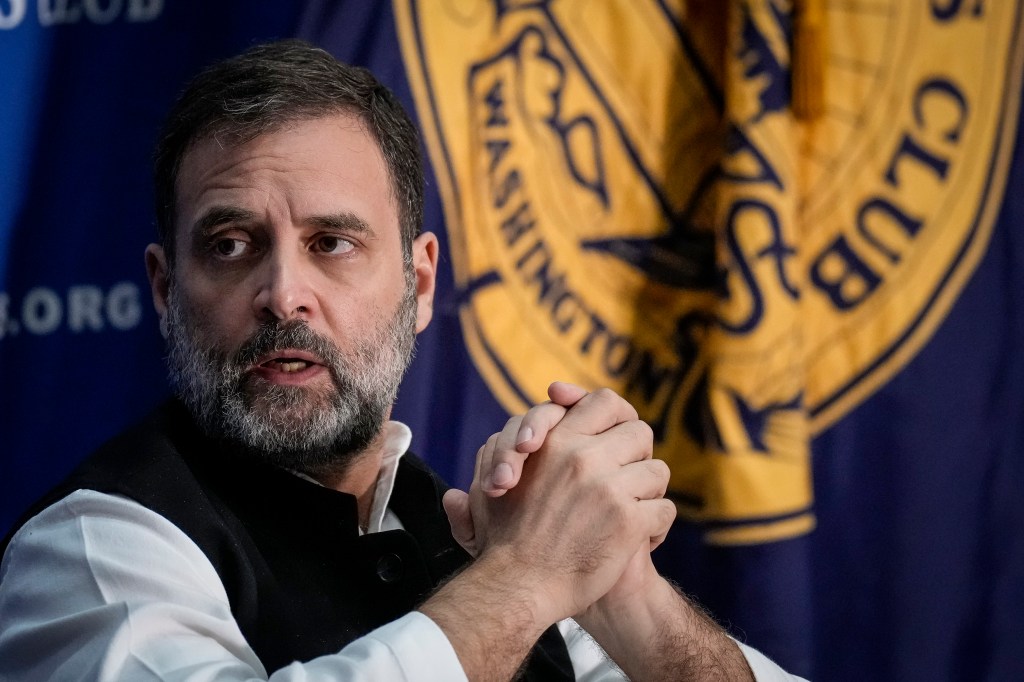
(285,291)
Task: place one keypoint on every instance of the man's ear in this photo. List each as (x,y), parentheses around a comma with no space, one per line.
(424,263)
(159,281)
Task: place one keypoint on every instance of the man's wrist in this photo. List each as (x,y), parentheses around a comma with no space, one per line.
(615,617)
(660,632)
(491,616)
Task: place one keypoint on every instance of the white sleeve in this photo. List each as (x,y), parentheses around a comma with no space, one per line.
(97,587)
(592,664)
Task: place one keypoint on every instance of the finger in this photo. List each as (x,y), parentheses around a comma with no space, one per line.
(501,463)
(479,474)
(565,394)
(456,506)
(535,426)
(657,517)
(622,444)
(597,412)
(656,541)
(507,464)
(644,480)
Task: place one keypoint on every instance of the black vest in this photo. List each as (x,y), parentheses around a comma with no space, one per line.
(300,579)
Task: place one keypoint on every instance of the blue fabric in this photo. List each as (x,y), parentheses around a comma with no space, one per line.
(916,568)
(81,103)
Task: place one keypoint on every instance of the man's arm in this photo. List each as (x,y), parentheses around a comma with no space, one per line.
(557,542)
(98,587)
(654,633)
(645,625)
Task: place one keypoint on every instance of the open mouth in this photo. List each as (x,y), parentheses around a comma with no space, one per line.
(287,365)
(288,361)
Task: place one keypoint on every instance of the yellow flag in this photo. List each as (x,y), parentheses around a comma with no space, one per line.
(632,203)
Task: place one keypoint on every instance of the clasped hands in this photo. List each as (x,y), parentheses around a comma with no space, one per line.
(569,496)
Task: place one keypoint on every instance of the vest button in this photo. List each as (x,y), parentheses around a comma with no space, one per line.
(389,568)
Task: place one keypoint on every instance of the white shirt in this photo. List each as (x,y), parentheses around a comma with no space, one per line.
(98,587)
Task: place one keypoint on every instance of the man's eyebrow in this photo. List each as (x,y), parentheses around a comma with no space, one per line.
(342,222)
(219,215)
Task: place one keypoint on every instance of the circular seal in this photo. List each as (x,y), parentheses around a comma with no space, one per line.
(632,204)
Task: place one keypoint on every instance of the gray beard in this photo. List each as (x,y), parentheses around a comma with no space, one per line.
(312,430)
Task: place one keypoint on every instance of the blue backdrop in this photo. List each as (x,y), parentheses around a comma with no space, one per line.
(916,568)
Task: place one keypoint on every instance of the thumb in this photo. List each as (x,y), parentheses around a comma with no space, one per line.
(565,394)
(456,506)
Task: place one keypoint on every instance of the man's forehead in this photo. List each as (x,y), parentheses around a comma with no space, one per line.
(315,131)
(339,140)
(334,153)
(230,132)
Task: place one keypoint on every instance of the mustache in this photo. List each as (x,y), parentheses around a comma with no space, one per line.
(295,334)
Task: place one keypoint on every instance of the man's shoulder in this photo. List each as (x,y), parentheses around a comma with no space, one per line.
(139,460)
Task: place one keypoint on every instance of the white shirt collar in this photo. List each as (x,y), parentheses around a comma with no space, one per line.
(396,440)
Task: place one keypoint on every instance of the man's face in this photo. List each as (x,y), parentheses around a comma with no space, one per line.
(290,313)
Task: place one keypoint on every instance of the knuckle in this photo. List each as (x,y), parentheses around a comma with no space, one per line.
(642,436)
(611,398)
(659,468)
(607,396)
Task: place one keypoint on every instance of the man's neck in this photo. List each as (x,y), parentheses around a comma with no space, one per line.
(358,477)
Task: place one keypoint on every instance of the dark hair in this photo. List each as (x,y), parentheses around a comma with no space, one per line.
(274,84)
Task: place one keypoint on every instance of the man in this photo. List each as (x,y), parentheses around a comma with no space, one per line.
(267,520)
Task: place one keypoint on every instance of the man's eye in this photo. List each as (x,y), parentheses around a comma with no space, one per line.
(333,245)
(229,248)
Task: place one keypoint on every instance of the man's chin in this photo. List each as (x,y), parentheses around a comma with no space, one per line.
(282,434)
(303,443)
(286,416)
(285,403)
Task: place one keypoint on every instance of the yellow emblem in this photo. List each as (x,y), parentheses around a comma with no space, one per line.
(632,204)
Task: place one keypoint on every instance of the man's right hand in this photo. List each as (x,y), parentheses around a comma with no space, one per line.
(588,500)
(649,629)
(499,462)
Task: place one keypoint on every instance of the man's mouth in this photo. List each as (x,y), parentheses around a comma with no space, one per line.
(287,365)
